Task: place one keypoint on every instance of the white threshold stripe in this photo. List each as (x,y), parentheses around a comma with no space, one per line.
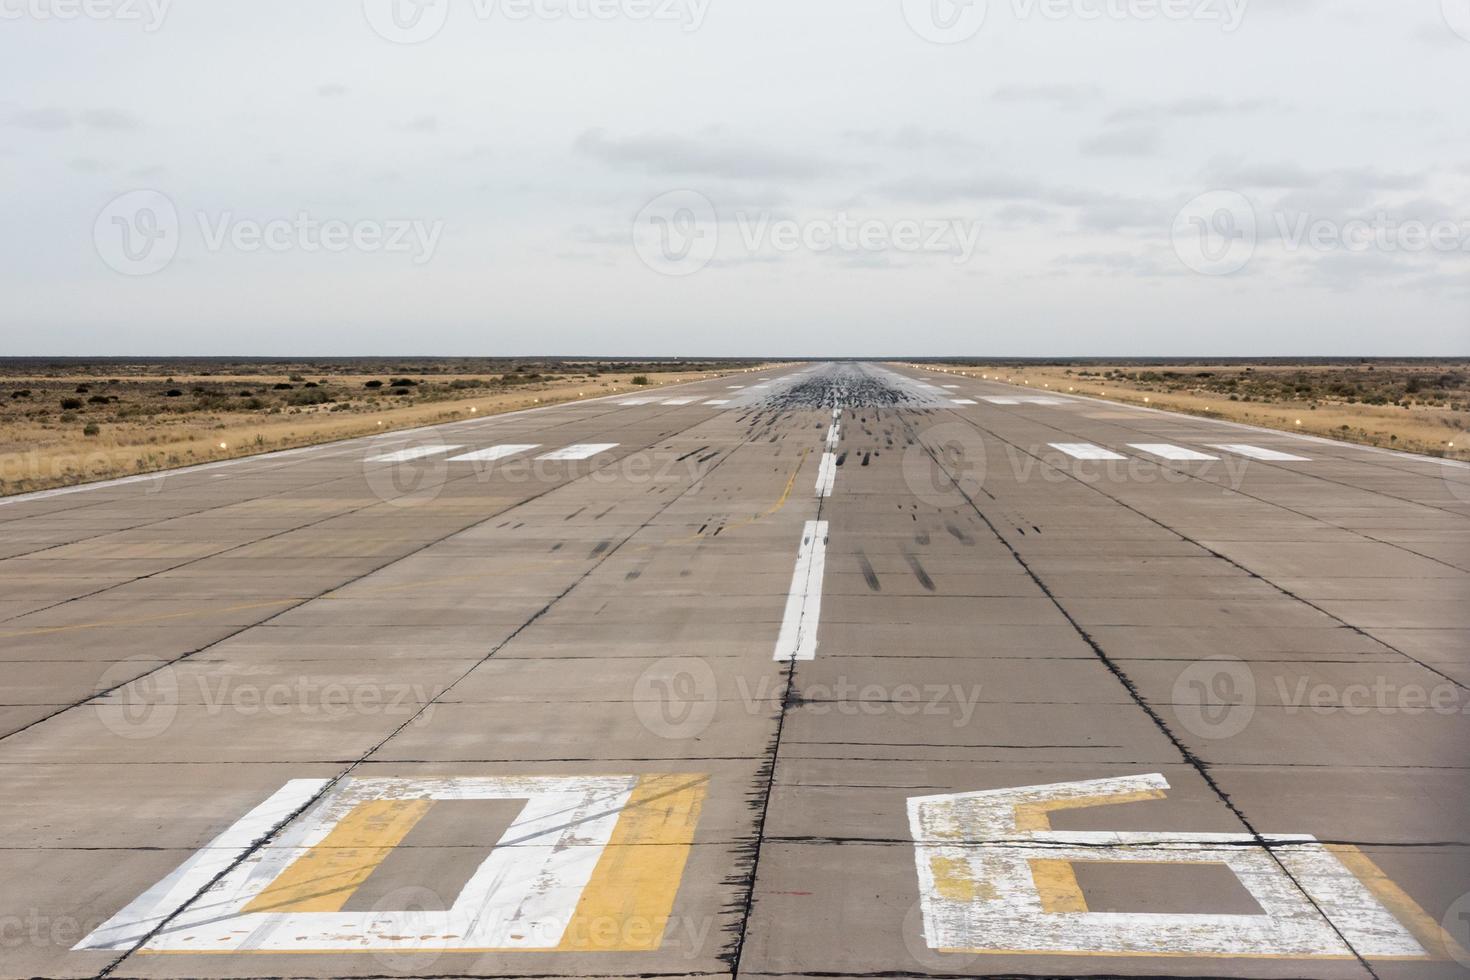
(580,451)
(680,401)
(949,386)
(413,452)
(826,475)
(718,401)
(1085,450)
(798,637)
(494,453)
(149,910)
(1256,452)
(1169,451)
(963,401)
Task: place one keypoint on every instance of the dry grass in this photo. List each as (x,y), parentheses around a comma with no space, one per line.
(127,423)
(1413,406)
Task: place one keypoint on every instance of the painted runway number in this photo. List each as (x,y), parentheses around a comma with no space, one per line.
(995,878)
(577,870)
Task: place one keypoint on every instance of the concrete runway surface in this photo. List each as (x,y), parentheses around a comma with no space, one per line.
(843,670)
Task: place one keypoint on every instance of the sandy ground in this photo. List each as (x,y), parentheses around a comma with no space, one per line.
(38,456)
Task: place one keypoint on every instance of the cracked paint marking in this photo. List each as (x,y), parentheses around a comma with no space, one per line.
(590,863)
(995,878)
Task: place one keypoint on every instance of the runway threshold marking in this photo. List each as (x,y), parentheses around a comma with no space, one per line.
(1085,450)
(679,401)
(589,864)
(798,637)
(1168,451)
(1256,452)
(413,452)
(963,401)
(494,453)
(995,878)
(580,451)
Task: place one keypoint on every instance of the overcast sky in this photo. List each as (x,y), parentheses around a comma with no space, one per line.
(795,177)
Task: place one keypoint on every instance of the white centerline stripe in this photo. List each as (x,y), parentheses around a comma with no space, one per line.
(1256,452)
(1002,401)
(834,432)
(963,401)
(798,637)
(416,452)
(637,401)
(1085,450)
(579,451)
(718,401)
(493,453)
(681,401)
(1168,451)
(826,475)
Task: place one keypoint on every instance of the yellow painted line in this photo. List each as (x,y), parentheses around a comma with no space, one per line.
(1440,944)
(324,878)
(1056,884)
(627,903)
(1037,816)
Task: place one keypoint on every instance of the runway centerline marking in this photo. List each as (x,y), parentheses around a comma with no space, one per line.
(1085,450)
(580,451)
(413,452)
(798,637)
(826,475)
(494,453)
(1169,451)
(963,401)
(1256,452)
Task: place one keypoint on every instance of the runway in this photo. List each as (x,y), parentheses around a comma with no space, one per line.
(844,670)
